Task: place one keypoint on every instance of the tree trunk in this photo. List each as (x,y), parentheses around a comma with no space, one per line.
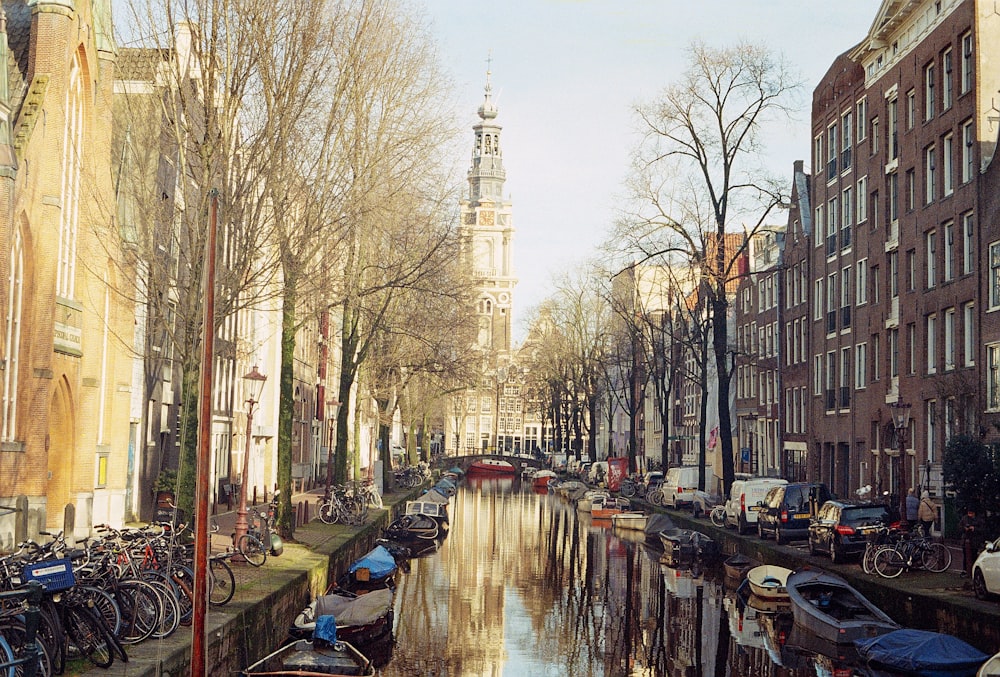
(286,402)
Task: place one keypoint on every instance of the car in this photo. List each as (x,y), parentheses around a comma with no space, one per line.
(680,483)
(986,571)
(841,529)
(745,496)
(787,509)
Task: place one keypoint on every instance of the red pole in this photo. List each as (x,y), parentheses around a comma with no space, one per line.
(204,452)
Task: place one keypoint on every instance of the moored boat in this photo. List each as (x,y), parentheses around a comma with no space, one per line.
(769,581)
(492,466)
(685,545)
(990,668)
(736,566)
(359,618)
(609,507)
(316,658)
(830,608)
(541,478)
(632,520)
(922,652)
(376,569)
(586,502)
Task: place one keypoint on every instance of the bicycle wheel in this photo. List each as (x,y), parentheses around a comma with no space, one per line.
(6,657)
(889,563)
(50,632)
(655,497)
(252,549)
(88,635)
(375,498)
(718,516)
(328,513)
(628,489)
(141,610)
(936,557)
(221,582)
(12,628)
(105,605)
(868,559)
(170,616)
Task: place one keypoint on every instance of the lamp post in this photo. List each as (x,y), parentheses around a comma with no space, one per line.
(332,404)
(901,421)
(255,384)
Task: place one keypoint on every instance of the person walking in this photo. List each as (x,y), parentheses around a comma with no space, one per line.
(971,527)
(927,513)
(912,508)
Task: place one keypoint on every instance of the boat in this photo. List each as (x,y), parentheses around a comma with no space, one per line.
(316,658)
(491,466)
(446,487)
(572,489)
(830,608)
(609,507)
(541,478)
(633,520)
(586,502)
(360,619)
(409,528)
(736,566)
(990,668)
(769,581)
(922,652)
(685,545)
(375,569)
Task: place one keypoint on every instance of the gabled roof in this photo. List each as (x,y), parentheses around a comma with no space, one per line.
(891,14)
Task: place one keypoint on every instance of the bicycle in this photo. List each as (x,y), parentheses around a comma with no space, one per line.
(259,540)
(370,494)
(912,553)
(718,515)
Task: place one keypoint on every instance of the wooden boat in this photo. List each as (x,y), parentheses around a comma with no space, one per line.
(360,619)
(541,478)
(830,608)
(609,507)
(407,529)
(768,581)
(304,658)
(632,520)
(492,466)
(737,566)
(922,652)
(586,502)
(684,545)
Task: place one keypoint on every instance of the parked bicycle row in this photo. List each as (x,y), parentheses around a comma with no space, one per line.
(349,503)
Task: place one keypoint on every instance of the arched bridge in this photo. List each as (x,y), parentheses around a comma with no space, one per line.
(463,462)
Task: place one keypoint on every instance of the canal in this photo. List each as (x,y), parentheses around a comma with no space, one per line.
(525,585)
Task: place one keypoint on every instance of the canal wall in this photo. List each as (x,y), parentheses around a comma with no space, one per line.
(267,600)
(917,599)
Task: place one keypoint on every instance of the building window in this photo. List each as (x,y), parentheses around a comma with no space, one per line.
(966,62)
(875,139)
(847,218)
(817,375)
(831,149)
(860,366)
(831,227)
(949,339)
(892,263)
(846,132)
(861,284)
(930,173)
(911,348)
(876,357)
(893,113)
(818,225)
(893,335)
(862,110)
(932,343)
(931,423)
(818,300)
(994,275)
(876,215)
(831,303)
(845,298)
(911,190)
(993,377)
(968,244)
(948,164)
(73,154)
(12,336)
(894,197)
(876,292)
(862,193)
(911,269)
(931,259)
(929,91)
(818,151)
(967,152)
(947,89)
(949,251)
(831,380)
(845,377)
(968,334)
(911,106)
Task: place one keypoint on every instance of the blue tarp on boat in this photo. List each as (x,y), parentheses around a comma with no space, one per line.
(378,561)
(922,652)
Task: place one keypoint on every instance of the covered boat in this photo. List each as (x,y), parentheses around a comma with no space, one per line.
(359,618)
(376,569)
(830,608)
(769,581)
(492,466)
(317,658)
(446,487)
(921,652)
(586,502)
(685,545)
(609,507)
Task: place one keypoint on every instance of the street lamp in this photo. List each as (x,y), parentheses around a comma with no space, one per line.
(901,421)
(254,384)
(332,404)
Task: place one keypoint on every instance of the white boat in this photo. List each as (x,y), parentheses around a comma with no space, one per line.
(768,581)
(991,668)
(633,520)
(586,502)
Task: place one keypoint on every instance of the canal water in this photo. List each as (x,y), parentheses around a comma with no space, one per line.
(525,585)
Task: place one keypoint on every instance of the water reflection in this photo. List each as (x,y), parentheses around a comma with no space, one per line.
(525,585)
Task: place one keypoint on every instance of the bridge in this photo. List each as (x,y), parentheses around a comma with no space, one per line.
(463,462)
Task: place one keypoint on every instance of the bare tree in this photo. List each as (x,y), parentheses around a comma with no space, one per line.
(698,174)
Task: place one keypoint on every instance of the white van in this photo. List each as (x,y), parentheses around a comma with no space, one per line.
(744,499)
(680,483)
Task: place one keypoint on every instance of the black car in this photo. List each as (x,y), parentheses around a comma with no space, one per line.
(787,510)
(841,528)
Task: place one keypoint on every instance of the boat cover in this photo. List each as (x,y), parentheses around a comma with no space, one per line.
(378,561)
(360,610)
(457,471)
(434,495)
(326,629)
(922,651)
(658,522)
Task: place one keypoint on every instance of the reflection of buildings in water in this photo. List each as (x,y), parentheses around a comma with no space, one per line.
(747,640)
(691,622)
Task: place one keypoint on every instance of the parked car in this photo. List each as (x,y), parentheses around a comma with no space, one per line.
(986,571)
(744,501)
(787,509)
(680,483)
(841,529)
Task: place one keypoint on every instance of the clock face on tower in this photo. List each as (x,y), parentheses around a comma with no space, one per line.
(486,218)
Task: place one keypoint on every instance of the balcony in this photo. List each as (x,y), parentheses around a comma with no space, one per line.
(484,273)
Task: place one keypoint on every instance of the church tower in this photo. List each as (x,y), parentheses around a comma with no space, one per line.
(488,232)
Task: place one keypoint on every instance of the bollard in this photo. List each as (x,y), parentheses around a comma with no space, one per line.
(305,512)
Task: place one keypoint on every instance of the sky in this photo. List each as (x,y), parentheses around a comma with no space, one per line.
(566,74)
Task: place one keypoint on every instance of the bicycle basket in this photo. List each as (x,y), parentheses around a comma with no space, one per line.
(53,574)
